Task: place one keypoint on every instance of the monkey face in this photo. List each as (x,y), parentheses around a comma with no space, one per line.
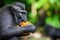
(22,15)
(19,10)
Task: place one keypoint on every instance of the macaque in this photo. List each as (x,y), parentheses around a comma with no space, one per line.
(11,16)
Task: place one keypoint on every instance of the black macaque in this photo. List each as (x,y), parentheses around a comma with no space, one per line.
(10,16)
(54,33)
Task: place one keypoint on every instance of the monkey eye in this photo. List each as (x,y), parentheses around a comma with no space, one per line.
(22,11)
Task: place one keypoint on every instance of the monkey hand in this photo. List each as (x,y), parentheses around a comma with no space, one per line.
(29,27)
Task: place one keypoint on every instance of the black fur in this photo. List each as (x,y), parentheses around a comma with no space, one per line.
(8,29)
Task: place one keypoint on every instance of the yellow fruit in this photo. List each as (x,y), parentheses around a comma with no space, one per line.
(25,23)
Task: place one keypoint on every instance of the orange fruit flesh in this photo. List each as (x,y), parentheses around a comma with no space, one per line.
(25,23)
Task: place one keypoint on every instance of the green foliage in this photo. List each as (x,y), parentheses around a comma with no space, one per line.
(12,1)
(32,18)
(8,1)
(30,1)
